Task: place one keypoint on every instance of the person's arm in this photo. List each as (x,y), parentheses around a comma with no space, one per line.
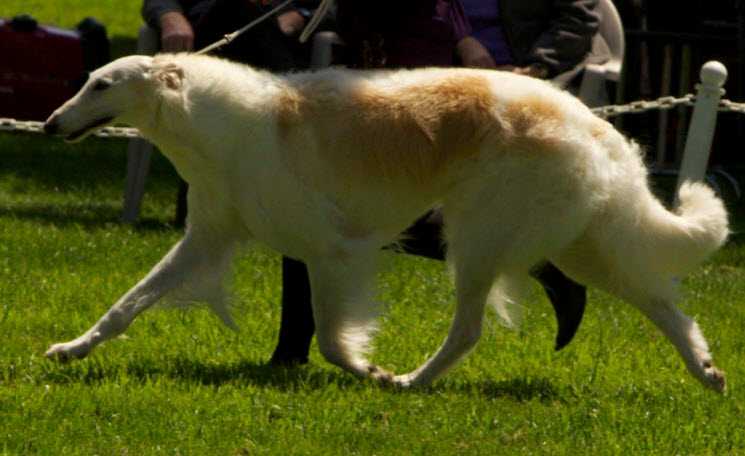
(152,10)
(293,17)
(473,54)
(567,40)
(176,33)
(468,50)
(291,22)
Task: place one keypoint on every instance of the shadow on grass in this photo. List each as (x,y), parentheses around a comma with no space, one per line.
(96,163)
(246,373)
(89,216)
(96,167)
(522,389)
(53,164)
(183,370)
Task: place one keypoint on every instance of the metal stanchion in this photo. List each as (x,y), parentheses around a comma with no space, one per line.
(701,130)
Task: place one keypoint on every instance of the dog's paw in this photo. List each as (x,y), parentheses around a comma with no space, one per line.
(66,352)
(380,375)
(714,378)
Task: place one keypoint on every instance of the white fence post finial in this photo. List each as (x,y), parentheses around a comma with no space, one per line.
(703,121)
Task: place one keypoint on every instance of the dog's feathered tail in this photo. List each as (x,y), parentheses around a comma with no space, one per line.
(632,236)
(636,241)
(679,242)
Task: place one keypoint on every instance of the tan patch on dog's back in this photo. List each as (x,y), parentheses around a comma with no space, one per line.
(460,105)
(529,111)
(599,129)
(405,133)
(535,119)
(429,125)
(288,111)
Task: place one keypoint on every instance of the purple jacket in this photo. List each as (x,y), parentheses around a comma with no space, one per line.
(414,33)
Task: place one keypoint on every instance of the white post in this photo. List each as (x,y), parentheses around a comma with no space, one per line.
(701,129)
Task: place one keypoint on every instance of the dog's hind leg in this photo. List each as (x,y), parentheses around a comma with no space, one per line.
(187,264)
(477,265)
(344,312)
(655,298)
(465,329)
(687,337)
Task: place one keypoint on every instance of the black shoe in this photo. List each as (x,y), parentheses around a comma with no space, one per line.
(567,297)
(288,358)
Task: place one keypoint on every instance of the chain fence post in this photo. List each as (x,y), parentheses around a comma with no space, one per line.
(703,121)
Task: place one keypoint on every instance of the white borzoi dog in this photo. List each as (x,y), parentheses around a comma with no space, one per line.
(329,166)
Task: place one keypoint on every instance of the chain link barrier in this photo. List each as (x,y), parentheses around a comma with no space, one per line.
(635,107)
(640,106)
(34,126)
(662,103)
(731,106)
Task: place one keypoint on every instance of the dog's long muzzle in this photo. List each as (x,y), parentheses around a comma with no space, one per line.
(52,127)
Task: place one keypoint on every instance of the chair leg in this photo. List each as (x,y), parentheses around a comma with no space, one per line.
(138,165)
(140,151)
(148,40)
(592,89)
(321,53)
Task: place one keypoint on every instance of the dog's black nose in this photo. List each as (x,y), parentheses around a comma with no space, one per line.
(51,127)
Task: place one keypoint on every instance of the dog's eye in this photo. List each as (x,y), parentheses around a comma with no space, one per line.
(102,84)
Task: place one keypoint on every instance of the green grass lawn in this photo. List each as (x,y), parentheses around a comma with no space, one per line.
(181,384)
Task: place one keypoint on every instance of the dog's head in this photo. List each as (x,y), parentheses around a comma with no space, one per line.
(120,92)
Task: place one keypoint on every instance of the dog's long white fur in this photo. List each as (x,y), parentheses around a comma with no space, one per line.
(330,166)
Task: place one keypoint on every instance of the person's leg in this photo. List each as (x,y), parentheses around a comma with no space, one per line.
(296,326)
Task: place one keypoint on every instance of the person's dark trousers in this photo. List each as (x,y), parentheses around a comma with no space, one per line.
(263,46)
(424,238)
(296,326)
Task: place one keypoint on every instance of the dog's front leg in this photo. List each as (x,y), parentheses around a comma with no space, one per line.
(180,266)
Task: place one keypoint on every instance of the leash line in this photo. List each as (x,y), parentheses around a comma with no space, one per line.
(232,36)
(315,20)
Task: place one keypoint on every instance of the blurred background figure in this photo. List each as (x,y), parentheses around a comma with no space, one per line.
(187,25)
(547,39)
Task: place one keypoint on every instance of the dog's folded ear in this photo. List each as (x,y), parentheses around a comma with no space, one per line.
(170,74)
